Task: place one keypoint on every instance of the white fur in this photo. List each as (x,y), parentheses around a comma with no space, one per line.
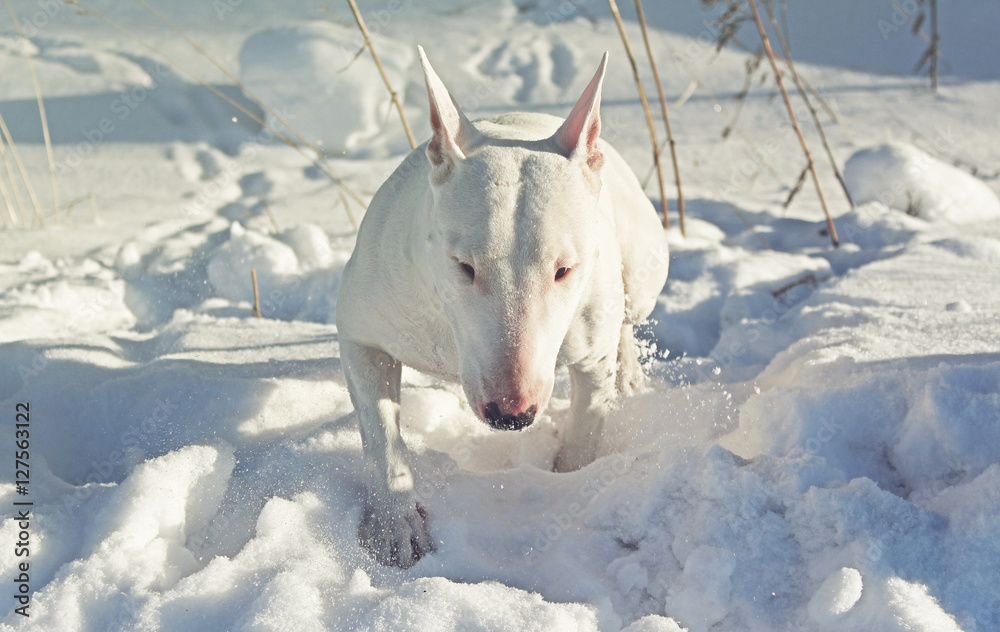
(456,273)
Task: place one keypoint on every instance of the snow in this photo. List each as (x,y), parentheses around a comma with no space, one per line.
(902,177)
(818,445)
(276,64)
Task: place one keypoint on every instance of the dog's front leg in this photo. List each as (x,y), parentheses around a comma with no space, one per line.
(393,527)
(593,395)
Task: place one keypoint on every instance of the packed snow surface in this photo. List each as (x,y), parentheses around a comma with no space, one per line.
(817,447)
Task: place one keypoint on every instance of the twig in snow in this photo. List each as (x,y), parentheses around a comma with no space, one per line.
(378,63)
(319,161)
(256,294)
(10,218)
(750,226)
(663,112)
(809,106)
(41,113)
(645,107)
(752,64)
(931,54)
(16,155)
(796,187)
(20,217)
(795,122)
(270,215)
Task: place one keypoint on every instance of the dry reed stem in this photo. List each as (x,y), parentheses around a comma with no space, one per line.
(270,215)
(256,294)
(347,209)
(812,111)
(21,216)
(645,109)
(41,112)
(264,106)
(319,161)
(795,122)
(663,111)
(381,71)
(16,155)
(72,204)
(933,40)
(935,44)
(750,226)
(11,218)
(8,219)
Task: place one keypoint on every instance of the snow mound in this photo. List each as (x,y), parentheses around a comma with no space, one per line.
(905,178)
(297,271)
(62,301)
(835,596)
(229,269)
(312,74)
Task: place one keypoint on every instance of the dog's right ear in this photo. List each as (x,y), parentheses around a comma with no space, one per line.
(452,131)
(577,136)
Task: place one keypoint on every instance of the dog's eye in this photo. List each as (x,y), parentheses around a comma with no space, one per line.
(468,270)
(561,272)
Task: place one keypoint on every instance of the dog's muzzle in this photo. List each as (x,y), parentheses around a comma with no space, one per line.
(500,421)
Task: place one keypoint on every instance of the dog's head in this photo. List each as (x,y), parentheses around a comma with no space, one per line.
(512,245)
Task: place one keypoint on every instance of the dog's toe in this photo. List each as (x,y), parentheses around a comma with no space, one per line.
(395,539)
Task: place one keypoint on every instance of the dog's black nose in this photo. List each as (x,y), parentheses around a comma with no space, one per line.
(500,421)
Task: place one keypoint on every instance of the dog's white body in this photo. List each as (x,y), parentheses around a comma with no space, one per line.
(494,253)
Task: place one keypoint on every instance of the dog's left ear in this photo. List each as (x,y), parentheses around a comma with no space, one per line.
(452,133)
(577,137)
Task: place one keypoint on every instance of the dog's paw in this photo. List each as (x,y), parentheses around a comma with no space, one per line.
(568,460)
(395,538)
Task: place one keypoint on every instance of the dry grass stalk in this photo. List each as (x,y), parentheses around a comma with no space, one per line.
(41,112)
(256,294)
(663,112)
(347,209)
(76,202)
(71,206)
(16,155)
(932,52)
(795,122)
(645,108)
(750,226)
(812,111)
(935,43)
(319,161)
(9,219)
(270,215)
(796,187)
(378,62)
(21,216)
(325,168)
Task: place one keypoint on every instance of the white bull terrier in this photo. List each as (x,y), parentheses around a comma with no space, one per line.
(495,252)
